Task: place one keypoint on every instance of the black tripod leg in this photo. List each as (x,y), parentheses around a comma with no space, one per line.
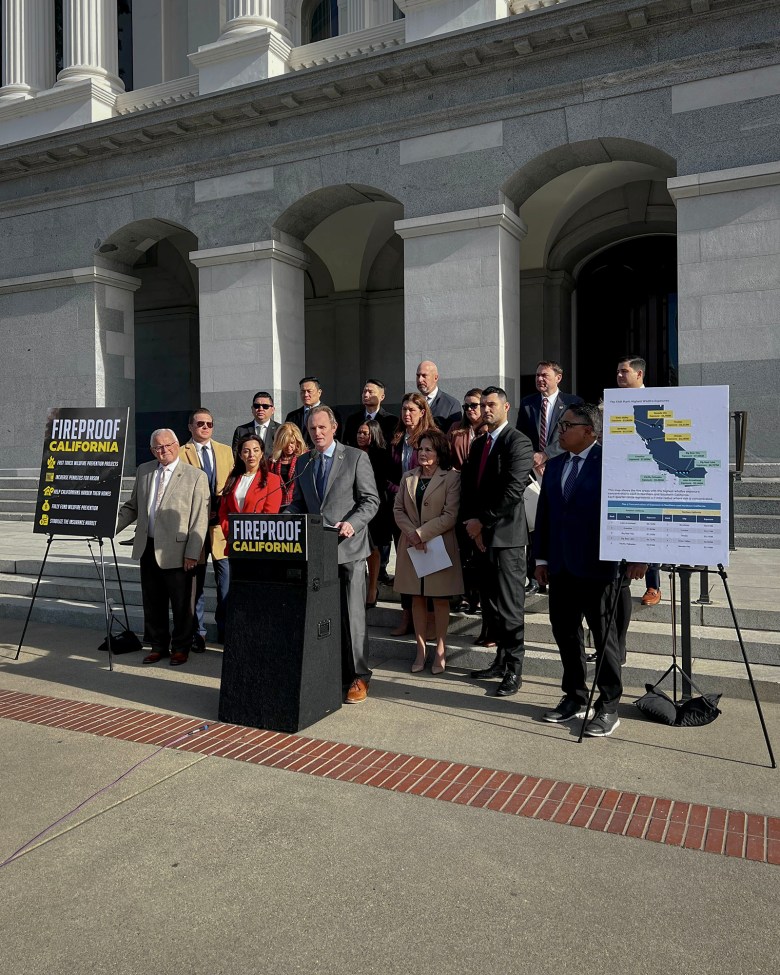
(121,588)
(600,655)
(34,594)
(722,573)
(106,606)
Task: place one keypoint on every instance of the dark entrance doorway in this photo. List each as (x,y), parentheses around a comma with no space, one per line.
(627,303)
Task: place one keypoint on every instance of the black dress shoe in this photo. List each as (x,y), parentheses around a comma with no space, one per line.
(198,643)
(494,670)
(511,684)
(532,588)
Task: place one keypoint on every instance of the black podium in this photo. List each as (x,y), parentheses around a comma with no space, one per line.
(281,668)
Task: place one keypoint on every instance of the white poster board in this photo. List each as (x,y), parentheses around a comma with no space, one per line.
(665,483)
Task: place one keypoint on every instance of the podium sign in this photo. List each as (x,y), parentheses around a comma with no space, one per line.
(81,472)
(256,536)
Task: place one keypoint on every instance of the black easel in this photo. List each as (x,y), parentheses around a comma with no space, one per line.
(100,567)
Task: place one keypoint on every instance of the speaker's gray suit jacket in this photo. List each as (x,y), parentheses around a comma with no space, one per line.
(182,519)
(350,495)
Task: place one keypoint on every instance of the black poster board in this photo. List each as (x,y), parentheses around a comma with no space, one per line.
(254,536)
(81,472)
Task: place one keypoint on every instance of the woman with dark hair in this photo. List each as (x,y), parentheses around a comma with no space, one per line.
(369,437)
(250,487)
(470,427)
(426,506)
(288,447)
(416,419)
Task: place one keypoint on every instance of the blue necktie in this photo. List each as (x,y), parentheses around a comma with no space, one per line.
(568,486)
(322,476)
(208,467)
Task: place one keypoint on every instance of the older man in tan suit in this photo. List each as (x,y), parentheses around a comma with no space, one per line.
(216,461)
(170,502)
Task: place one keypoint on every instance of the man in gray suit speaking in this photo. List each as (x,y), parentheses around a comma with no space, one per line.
(338,483)
(170,502)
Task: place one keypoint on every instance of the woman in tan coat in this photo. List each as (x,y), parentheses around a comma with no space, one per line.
(426,506)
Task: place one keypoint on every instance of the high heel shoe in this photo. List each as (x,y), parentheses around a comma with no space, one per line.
(418,667)
(439,666)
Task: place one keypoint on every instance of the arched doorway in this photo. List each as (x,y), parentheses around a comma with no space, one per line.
(627,304)
(354,316)
(166,328)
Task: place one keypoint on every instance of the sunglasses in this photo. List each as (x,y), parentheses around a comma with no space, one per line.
(262,406)
(471,406)
(204,423)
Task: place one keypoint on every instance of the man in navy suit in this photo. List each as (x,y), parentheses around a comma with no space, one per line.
(566,546)
(263,425)
(539,414)
(493,480)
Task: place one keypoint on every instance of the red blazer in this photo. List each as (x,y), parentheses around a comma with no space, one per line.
(259,500)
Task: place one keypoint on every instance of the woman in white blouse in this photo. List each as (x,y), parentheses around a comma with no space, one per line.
(250,488)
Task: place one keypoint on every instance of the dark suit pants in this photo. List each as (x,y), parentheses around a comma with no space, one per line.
(503,605)
(159,589)
(222,581)
(623,617)
(571,598)
(354,636)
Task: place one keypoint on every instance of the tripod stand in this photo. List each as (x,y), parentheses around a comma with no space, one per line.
(100,567)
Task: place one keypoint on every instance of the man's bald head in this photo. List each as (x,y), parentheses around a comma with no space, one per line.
(427,377)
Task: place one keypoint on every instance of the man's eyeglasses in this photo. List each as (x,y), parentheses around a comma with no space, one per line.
(565,424)
(262,406)
(204,423)
(163,446)
(471,406)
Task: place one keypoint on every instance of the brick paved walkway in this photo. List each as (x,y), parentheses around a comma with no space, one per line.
(728,832)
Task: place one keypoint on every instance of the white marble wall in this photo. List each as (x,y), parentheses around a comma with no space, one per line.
(729,290)
(461,297)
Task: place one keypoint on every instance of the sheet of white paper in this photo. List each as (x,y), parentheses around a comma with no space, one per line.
(432,560)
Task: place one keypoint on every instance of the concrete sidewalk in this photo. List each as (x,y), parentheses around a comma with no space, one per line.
(196,864)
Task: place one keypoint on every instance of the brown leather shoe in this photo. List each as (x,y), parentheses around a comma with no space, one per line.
(652,597)
(154,657)
(358,691)
(179,658)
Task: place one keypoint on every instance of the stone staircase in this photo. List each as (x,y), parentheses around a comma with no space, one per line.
(70,595)
(18,487)
(757,507)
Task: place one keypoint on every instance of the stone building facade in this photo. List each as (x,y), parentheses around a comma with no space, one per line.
(480,183)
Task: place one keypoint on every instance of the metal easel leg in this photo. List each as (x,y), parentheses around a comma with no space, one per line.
(105,605)
(34,594)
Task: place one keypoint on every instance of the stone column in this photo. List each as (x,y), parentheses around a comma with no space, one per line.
(28,48)
(252,332)
(91,50)
(247,16)
(728,271)
(254,45)
(462,297)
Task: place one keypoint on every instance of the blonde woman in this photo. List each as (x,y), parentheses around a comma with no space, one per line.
(288,447)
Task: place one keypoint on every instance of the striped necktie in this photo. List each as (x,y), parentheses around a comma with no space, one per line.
(571,480)
(543,424)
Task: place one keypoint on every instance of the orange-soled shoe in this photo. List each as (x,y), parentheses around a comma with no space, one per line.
(358,691)
(652,597)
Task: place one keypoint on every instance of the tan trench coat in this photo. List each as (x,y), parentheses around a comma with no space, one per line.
(439,516)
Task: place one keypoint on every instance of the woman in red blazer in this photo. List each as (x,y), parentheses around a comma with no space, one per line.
(250,487)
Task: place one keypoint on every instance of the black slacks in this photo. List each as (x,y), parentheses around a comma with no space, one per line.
(503,604)
(159,589)
(571,598)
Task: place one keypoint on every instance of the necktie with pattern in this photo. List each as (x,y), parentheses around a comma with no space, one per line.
(571,480)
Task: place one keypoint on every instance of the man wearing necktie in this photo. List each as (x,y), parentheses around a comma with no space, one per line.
(372,397)
(566,546)
(493,480)
(311,397)
(338,483)
(170,503)
(215,459)
(263,425)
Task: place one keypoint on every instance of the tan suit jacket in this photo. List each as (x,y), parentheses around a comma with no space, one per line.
(182,519)
(223,456)
(439,516)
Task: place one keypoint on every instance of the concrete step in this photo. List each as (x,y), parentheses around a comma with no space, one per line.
(16,516)
(757,507)
(756,540)
(757,524)
(754,487)
(20,504)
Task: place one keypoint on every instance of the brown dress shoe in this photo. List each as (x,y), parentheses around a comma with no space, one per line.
(358,691)
(652,597)
(154,657)
(179,658)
